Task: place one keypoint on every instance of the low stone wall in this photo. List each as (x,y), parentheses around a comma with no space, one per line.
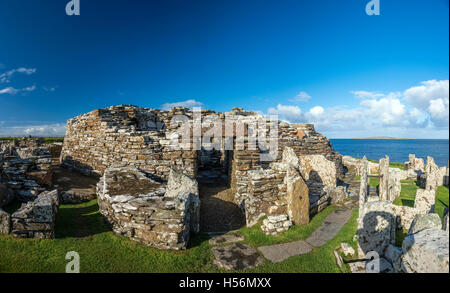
(25,167)
(136,207)
(36,219)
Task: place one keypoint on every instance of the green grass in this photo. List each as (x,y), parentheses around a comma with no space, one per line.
(81,228)
(47,139)
(400,166)
(320,259)
(256,237)
(374,182)
(408,195)
(391,164)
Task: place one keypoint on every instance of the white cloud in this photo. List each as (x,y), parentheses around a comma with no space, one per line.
(187,104)
(390,112)
(366,94)
(301,97)
(289,113)
(316,111)
(57,129)
(5,77)
(421,112)
(29,89)
(13,91)
(9,90)
(432,97)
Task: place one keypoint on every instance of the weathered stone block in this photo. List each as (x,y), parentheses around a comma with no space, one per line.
(426,252)
(423,222)
(376,227)
(424,201)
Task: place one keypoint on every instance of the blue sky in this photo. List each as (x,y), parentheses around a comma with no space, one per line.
(326,62)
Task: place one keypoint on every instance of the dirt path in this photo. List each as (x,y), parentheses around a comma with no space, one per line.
(218,212)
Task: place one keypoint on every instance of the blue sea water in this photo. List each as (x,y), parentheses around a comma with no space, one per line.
(398,150)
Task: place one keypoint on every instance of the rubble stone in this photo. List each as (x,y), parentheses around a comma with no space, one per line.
(394,255)
(423,222)
(274,225)
(347,249)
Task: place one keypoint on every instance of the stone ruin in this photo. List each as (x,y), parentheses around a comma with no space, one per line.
(426,248)
(26,175)
(300,182)
(148,211)
(29,173)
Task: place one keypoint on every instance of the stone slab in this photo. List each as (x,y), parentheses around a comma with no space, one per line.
(279,252)
(237,256)
(330,227)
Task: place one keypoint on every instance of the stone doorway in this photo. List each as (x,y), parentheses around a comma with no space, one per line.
(218,212)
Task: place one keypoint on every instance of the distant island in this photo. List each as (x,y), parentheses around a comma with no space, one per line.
(381,137)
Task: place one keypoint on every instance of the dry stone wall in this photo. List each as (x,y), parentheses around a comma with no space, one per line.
(25,168)
(36,219)
(139,208)
(141,137)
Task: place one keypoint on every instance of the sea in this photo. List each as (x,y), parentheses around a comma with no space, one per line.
(398,150)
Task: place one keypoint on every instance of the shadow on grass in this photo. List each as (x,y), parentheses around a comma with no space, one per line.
(408,202)
(78,221)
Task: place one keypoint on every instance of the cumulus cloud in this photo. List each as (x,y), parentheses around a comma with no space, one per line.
(432,97)
(6,76)
(288,113)
(421,110)
(187,104)
(316,111)
(51,130)
(301,97)
(390,112)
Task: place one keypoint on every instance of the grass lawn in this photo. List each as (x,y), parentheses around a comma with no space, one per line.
(47,139)
(373,182)
(391,164)
(408,195)
(81,228)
